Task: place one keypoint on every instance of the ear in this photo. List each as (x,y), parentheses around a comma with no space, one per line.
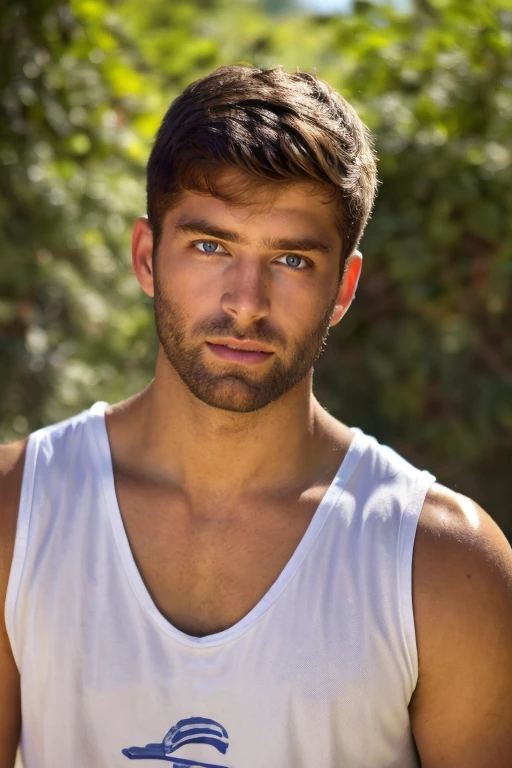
(351,273)
(142,255)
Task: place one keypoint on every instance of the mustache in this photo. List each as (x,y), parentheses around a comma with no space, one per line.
(224,326)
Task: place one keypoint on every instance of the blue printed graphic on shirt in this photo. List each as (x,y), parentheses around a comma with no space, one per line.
(191,730)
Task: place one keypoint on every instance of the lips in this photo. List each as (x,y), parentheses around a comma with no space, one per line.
(243,349)
(245,345)
(237,355)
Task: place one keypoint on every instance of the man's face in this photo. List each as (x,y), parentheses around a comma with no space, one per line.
(219,279)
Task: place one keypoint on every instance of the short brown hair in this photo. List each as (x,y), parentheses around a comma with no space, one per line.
(276,126)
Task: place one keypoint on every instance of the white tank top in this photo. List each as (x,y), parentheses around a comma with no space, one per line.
(319,673)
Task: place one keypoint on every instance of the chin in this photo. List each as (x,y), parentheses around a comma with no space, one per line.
(235,399)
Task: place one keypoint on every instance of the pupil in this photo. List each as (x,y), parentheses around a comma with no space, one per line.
(293,261)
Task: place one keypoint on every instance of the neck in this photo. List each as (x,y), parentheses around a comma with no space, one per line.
(208,451)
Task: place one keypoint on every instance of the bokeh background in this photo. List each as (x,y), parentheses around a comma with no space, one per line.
(423,360)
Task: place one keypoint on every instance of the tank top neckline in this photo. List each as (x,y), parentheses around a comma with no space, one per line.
(104,465)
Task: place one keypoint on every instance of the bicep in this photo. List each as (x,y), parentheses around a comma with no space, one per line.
(461,711)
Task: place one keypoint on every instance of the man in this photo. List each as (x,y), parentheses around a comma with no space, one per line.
(216,572)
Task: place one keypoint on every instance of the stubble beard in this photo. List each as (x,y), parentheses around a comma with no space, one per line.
(236,391)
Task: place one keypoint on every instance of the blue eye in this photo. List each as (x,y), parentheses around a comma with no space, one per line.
(293,261)
(210,246)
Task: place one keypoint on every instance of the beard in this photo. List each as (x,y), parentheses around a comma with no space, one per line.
(235,389)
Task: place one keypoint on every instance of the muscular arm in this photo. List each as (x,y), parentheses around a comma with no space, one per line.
(461,710)
(11,472)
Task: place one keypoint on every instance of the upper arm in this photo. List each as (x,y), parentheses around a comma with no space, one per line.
(11,472)
(461,710)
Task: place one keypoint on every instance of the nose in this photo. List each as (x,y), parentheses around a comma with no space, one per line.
(246,296)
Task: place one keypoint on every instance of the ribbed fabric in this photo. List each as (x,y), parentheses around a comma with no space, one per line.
(319,673)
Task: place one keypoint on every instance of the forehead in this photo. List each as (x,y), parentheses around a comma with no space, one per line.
(303,205)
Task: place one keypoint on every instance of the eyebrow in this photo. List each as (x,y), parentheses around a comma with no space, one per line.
(204,227)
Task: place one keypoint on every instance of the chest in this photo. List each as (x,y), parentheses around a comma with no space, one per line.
(206,569)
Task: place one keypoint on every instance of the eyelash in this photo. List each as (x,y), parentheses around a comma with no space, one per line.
(294,269)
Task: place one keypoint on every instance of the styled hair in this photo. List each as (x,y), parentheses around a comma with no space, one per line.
(277,127)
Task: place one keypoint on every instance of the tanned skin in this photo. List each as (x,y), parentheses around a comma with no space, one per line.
(12,458)
(237,471)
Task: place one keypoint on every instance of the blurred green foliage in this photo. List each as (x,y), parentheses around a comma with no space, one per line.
(423,360)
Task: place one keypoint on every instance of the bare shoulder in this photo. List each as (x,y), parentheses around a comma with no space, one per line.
(461,710)
(12,461)
(455,525)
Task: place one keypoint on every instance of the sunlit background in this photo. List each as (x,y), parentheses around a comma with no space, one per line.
(331,7)
(423,360)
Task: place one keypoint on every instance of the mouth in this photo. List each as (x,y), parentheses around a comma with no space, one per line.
(244,345)
(240,354)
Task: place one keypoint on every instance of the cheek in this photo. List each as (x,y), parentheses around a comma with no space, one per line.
(301,304)
(186,282)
